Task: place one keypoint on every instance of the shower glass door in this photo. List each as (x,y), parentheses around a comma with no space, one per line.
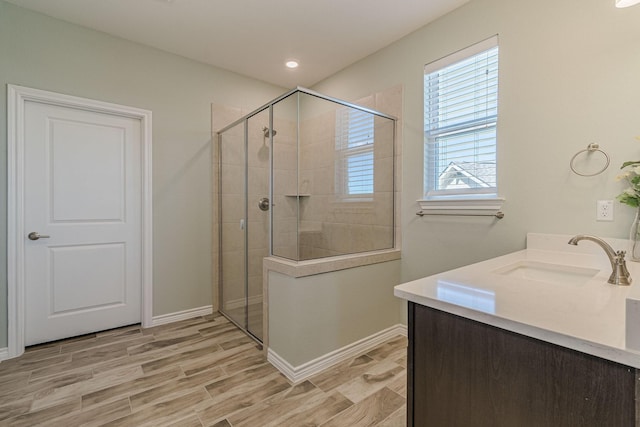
(259,140)
(244,220)
(233,242)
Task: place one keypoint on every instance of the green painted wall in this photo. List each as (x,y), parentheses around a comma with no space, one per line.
(569,76)
(45,53)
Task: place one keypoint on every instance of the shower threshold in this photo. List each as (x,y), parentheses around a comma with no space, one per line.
(231,319)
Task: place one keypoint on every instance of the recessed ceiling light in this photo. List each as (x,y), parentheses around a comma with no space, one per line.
(292,63)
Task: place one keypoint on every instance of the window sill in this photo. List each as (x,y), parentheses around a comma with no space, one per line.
(479,206)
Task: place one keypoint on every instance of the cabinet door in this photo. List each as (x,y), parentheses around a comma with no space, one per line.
(465,373)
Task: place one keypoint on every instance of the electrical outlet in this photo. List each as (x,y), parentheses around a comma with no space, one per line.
(604,210)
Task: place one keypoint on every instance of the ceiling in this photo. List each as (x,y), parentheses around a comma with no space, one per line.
(255,37)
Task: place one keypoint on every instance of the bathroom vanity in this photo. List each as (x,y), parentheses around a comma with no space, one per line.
(534,338)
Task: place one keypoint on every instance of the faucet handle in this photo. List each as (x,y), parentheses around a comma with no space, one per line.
(620,275)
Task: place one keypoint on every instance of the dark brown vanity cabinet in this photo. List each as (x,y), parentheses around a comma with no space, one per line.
(469,374)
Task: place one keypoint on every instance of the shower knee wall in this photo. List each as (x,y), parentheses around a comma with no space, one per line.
(319,320)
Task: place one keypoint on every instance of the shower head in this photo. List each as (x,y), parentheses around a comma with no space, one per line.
(268,132)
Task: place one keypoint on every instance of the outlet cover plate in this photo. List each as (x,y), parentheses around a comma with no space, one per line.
(604,210)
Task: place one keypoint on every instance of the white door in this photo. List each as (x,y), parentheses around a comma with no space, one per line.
(83,197)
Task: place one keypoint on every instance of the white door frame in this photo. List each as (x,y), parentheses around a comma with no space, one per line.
(16,98)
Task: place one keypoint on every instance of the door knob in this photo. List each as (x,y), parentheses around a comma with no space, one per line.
(35,236)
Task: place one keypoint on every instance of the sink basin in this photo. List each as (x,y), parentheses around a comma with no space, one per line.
(547,272)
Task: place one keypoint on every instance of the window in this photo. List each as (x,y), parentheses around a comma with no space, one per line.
(460,118)
(354,154)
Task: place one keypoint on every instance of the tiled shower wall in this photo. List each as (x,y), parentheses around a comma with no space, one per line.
(285,174)
(331,226)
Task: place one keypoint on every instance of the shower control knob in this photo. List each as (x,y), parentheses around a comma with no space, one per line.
(263,204)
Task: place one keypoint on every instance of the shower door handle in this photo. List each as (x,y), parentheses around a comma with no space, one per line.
(263,204)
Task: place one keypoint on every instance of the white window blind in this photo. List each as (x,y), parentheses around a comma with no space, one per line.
(354,153)
(461,114)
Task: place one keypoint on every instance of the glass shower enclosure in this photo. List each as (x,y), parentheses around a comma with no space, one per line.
(303,177)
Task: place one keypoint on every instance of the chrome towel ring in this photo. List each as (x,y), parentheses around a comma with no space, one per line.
(590,149)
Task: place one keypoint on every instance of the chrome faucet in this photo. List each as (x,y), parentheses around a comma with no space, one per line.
(620,275)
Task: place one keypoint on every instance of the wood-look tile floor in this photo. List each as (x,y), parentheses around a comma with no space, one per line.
(197,372)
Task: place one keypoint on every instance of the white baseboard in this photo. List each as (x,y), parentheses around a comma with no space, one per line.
(4,353)
(181,315)
(297,374)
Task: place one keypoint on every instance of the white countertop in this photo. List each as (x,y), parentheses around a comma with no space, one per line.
(591,317)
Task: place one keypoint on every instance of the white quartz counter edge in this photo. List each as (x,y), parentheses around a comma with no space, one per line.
(603,334)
